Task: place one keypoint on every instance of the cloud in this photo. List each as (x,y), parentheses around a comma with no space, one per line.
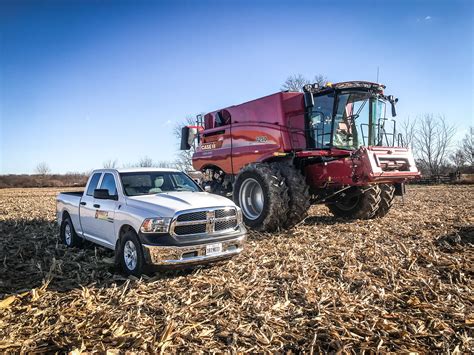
(168,123)
(427,18)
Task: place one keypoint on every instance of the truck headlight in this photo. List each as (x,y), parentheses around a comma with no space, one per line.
(156,225)
(239,216)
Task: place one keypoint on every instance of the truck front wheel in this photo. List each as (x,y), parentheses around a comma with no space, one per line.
(357,203)
(131,258)
(261,192)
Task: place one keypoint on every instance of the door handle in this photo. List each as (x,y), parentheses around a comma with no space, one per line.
(83,203)
(96,205)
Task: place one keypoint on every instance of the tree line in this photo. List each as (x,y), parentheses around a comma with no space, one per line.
(430,136)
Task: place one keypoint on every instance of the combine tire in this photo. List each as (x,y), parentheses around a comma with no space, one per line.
(297,192)
(357,203)
(387,194)
(261,192)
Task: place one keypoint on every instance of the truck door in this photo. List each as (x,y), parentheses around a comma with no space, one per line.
(102,227)
(86,207)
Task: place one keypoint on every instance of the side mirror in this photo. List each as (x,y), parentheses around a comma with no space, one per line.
(393,102)
(103,194)
(184,138)
(207,188)
(188,134)
(308,99)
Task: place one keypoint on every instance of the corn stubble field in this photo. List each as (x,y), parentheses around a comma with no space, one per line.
(401,283)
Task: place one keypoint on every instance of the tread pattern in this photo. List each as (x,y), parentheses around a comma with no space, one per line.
(298,193)
(274,214)
(366,207)
(387,195)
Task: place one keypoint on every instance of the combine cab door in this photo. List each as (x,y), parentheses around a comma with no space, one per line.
(216,145)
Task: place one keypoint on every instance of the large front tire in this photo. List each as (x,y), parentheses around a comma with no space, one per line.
(357,203)
(298,192)
(261,192)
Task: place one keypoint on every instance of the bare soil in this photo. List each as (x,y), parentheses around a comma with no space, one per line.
(401,283)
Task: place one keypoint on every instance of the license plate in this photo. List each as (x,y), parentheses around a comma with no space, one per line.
(213,248)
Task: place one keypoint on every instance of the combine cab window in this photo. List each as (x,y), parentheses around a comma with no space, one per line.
(320,121)
(357,120)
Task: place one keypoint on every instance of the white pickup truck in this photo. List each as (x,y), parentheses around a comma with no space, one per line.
(151,217)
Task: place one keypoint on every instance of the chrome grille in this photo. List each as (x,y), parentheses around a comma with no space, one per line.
(223,225)
(225,213)
(193,216)
(209,221)
(192,229)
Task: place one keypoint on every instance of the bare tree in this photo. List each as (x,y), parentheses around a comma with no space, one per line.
(165,164)
(433,138)
(42,168)
(319,79)
(458,158)
(468,147)
(297,81)
(145,162)
(408,129)
(184,160)
(110,164)
(294,83)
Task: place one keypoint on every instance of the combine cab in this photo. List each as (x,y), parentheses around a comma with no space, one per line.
(278,154)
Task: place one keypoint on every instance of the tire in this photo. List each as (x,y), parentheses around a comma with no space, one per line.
(298,193)
(68,234)
(387,195)
(358,203)
(130,255)
(265,186)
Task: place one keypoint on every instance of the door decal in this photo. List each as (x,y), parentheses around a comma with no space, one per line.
(103,215)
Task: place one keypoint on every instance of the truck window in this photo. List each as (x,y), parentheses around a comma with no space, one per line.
(93,184)
(108,183)
(147,183)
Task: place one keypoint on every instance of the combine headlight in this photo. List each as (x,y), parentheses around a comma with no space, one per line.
(156,225)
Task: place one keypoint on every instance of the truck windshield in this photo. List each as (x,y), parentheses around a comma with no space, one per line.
(155,182)
(357,119)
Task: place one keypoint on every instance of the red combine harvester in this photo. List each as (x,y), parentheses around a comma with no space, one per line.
(278,154)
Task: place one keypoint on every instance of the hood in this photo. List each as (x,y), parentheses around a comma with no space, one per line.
(166,204)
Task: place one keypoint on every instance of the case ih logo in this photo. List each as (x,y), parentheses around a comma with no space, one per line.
(212,145)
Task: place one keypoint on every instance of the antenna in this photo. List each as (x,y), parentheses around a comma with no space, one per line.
(377,74)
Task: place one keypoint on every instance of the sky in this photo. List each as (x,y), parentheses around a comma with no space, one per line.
(82,82)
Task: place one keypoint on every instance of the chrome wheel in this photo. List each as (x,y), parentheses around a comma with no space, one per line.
(251,199)
(130,255)
(68,234)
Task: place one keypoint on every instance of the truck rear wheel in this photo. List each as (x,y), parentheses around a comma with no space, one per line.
(69,235)
(298,192)
(261,192)
(357,203)
(387,195)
